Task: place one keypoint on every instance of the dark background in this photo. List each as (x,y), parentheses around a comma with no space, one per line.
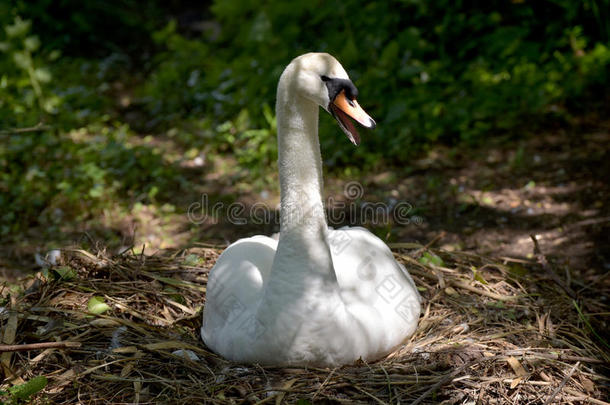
(117,116)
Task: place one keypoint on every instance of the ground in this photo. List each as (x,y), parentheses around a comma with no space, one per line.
(488,199)
(503,322)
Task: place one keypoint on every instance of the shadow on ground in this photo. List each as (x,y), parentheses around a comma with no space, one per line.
(487,199)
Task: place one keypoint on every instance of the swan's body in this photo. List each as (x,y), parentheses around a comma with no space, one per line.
(317,296)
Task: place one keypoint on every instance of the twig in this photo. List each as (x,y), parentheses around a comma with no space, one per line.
(450,376)
(379,401)
(210,245)
(16,131)
(586,398)
(441,382)
(324,383)
(429,244)
(389,383)
(589,222)
(436,239)
(466,286)
(552,356)
(486,293)
(561,385)
(38,346)
(586,322)
(547,267)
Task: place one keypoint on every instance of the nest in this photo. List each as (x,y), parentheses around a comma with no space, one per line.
(492,331)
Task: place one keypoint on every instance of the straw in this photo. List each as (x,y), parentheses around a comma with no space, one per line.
(493,330)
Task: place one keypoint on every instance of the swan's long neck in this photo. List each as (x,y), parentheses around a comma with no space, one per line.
(303,228)
(300,166)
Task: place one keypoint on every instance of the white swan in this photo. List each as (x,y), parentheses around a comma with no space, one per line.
(318,296)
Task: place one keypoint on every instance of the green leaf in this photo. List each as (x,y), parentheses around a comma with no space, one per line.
(585,320)
(54,55)
(174,295)
(43,75)
(96,305)
(487,200)
(192,260)
(477,276)
(517,269)
(24,391)
(64,273)
(31,43)
(496,304)
(22,59)
(97,191)
(18,28)
(177,283)
(269,116)
(431,258)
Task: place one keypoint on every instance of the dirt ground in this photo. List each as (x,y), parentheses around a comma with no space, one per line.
(486,199)
(503,322)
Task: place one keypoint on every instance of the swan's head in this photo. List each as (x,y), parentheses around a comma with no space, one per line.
(320,78)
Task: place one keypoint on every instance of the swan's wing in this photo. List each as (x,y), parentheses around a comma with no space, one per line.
(358,255)
(234,288)
(370,279)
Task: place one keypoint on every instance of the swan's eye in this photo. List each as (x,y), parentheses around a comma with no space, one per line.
(336,85)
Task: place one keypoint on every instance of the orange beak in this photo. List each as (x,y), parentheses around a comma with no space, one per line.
(343,109)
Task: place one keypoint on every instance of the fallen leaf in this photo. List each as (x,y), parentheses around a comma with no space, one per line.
(451,291)
(516,366)
(285,387)
(515,382)
(96,305)
(587,384)
(64,273)
(104,323)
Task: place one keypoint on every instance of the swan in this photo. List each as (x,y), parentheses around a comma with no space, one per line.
(316,296)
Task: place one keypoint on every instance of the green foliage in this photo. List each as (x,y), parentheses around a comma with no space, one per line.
(443,71)
(23,79)
(91,28)
(97,306)
(193,260)
(252,147)
(23,392)
(181,81)
(189,81)
(76,172)
(32,93)
(64,273)
(431,258)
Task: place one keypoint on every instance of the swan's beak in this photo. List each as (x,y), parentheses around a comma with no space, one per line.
(343,109)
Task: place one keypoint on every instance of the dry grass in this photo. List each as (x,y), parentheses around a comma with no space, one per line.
(493,331)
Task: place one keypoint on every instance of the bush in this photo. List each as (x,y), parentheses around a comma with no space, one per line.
(24,99)
(443,71)
(78,172)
